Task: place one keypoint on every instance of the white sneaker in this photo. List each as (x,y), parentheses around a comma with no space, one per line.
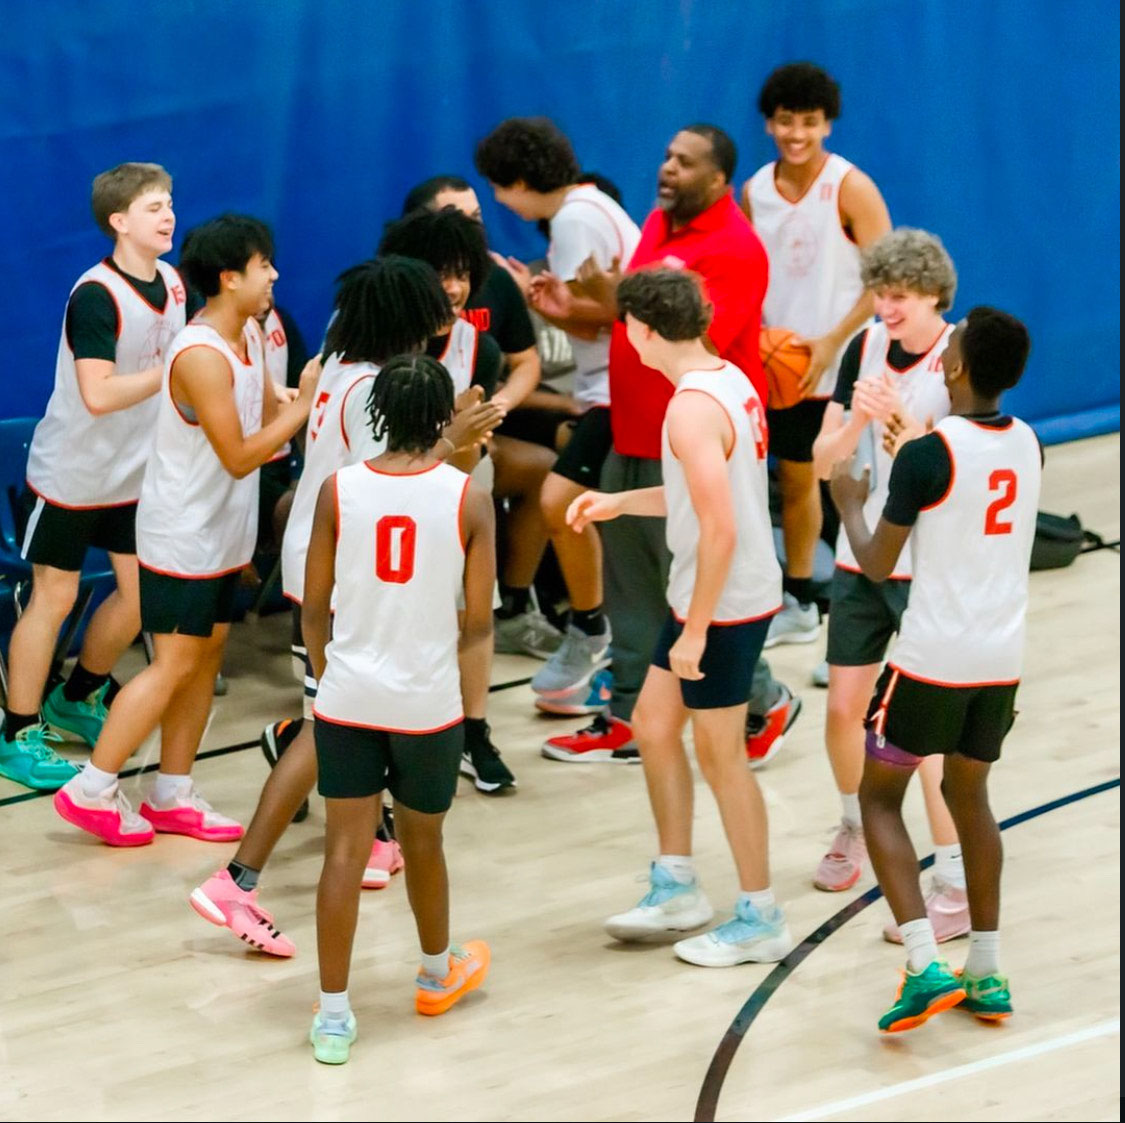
(794,623)
(819,677)
(668,906)
(748,937)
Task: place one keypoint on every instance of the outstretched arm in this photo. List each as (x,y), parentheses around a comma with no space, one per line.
(320,577)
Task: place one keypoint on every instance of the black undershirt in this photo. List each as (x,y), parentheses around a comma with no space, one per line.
(898,358)
(498,308)
(486,365)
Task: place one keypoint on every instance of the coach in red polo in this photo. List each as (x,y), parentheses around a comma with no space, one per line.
(696,225)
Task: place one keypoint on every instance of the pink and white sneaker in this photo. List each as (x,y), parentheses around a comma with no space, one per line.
(385,860)
(948,910)
(108,815)
(840,868)
(191,815)
(220,901)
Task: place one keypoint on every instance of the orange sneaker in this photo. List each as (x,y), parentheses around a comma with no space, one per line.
(468,967)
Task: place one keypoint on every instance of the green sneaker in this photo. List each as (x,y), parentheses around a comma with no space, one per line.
(922,996)
(84,719)
(30,760)
(987,997)
(331,1047)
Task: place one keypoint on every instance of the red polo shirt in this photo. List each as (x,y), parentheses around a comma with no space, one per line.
(723,248)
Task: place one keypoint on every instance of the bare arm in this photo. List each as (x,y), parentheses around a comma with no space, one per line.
(104,391)
(479,532)
(598,506)
(320,577)
(523,377)
(838,438)
(876,552)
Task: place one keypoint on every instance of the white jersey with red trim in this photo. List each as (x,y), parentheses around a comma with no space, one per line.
(339,434)
(194,518)
(78,459)
(400,564)
(814,265)
(965,622)
(277,364)
(753,586)
(921,388)
(590,224)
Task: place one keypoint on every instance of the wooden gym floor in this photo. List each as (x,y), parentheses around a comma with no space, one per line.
(120,1003)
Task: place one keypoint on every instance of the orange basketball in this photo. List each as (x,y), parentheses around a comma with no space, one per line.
(785,362)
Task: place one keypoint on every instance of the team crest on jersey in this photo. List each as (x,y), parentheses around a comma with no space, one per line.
(826,191)
(799,246)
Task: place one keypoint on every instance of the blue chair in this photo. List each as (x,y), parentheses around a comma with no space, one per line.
(96,579)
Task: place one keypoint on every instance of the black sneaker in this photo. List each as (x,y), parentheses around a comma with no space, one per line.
(481,762)
(274,741)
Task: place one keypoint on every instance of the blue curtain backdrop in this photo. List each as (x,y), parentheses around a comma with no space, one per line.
(994,124)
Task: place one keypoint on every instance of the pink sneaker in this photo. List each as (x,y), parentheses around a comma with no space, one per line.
(108,815)
(221,902)
(948,910)
(385,860)
(840,868)
(192,816)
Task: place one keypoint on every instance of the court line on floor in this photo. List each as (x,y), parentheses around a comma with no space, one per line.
(836,1107)
(226,750)
(708,1101)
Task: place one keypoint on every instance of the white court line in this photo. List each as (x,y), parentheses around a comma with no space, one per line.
(836,1107)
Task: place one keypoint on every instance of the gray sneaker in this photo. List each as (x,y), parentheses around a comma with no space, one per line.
(819,676)
(577,660)
(529,633)
(794,623)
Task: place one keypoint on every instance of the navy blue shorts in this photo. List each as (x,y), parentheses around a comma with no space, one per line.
(728,662)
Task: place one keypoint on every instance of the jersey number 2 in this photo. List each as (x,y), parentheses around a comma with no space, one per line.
(394,549)
(1003,479)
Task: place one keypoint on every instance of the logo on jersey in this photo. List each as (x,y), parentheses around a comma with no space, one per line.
(480,318)
(826,191)
(178,294)
(799,246)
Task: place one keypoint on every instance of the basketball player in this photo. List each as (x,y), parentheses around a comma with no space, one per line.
(402,541)
(815,212)
(218,422)
(892,366)
(965,496)
(535,174)
(724,585)
(85,466)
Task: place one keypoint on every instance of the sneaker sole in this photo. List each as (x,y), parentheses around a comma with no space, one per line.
(40,785)
(938,1006)
(485,786)
(842,887)
(602,663)
(576,709)
(810,636)
(772,952)
(68,733)
(592,756)
(894,936)
(776,747)
(628,935)
(203,906)
(449,1000)
(215,834)
(66,811)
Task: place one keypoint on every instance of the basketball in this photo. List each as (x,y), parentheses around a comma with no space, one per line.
(784,362)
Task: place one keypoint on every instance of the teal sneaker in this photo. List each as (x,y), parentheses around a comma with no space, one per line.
(30,759)
(84,719)
(922,996)
(750,936)
(986,997)
(332,1041)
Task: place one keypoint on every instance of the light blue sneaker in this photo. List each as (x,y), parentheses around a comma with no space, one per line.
(668,906)
(83,718)
(748,937)
(332,1041)
(30,759)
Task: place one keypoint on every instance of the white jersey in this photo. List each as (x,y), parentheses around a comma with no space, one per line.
(753,586)
(400,564)
(590,222)
(814,265)
(339,434)
(277,365)
(924,396)
(965,622)
(78,460)
(195,519)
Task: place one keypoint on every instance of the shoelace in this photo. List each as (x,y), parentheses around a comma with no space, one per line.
(36,742)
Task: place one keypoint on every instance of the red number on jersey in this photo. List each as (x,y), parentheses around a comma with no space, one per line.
(276,338)
(758,427)
(1002,478)
(394,548)
(318,413)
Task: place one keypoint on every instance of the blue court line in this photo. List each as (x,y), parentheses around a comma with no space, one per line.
(708,1101)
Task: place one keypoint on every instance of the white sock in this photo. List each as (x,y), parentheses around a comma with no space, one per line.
(168,788)
(436,965)
(948,865)
(762,899)
(984,954)
(95,781)
(334,1006)
(850,804)
(921,946)
(680,866)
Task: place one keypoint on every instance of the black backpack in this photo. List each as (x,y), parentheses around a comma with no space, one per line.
(1059,540)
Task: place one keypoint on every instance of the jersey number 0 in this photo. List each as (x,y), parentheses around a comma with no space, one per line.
(394,548)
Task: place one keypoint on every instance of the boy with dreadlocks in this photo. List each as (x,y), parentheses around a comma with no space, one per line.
(384,307)
(388,709)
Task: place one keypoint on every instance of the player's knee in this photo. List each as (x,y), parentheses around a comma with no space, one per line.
(54,596)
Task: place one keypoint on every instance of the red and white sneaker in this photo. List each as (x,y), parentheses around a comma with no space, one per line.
(108,815)
(606,740)
(948,910)
(191,815)
(385,860)
(220,901)
(765,735)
